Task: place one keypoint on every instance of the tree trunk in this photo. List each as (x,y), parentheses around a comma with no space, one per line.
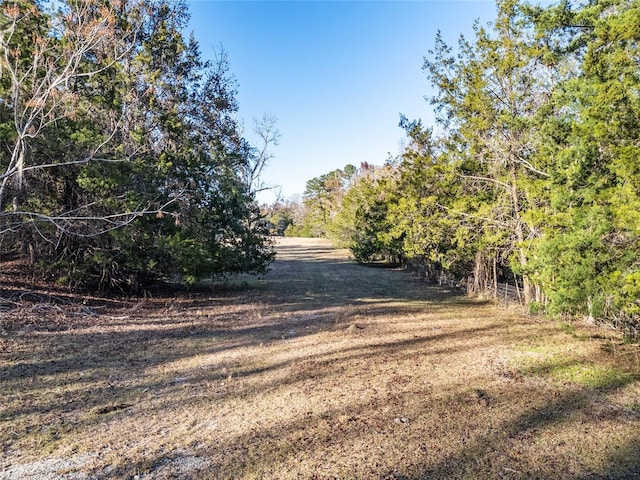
(522,257)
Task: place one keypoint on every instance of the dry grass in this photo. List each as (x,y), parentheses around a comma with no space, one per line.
(321,369)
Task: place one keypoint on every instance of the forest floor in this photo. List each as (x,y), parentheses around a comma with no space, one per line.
(320,369)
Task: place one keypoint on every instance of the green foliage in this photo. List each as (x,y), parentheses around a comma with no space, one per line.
(533,175)
(362,222)
(425,215)
(587,259)
(322,199)
(567,368)
(131,166)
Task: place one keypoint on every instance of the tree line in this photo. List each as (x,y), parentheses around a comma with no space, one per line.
(530,173)
(122,161)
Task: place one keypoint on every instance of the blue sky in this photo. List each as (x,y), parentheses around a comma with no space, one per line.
(336,74)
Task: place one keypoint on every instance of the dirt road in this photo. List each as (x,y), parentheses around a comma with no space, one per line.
(321,369)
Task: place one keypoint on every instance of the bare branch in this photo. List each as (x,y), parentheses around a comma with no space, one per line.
(531,168)
(487,180)
(492,221)
(269,135)
(63,222)
(41,89)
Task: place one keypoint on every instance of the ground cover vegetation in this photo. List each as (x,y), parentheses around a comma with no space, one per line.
(320,369)
(123,164)
(121,161)
(531,173)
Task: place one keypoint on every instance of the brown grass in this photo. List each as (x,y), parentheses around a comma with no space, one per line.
(321,369)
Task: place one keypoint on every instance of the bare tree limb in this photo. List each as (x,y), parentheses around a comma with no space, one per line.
(269,136)
(40,91)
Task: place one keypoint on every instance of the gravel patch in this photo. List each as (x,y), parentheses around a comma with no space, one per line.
(48,469)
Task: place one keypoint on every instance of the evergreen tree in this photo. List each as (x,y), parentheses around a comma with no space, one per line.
(428,191)
(362,222)
(322,198)
(127,163)
(588,258)
(489,97)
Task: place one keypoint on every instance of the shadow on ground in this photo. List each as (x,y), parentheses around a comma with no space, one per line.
(320,369)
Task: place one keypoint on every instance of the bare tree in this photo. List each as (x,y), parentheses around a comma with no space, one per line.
(268,136)
(79,41)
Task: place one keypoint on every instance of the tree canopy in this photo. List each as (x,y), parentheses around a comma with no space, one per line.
(531,173)
(122,161)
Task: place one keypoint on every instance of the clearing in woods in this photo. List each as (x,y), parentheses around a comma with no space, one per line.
(321,369)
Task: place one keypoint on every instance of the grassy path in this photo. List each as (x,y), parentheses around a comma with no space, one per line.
(321,369)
